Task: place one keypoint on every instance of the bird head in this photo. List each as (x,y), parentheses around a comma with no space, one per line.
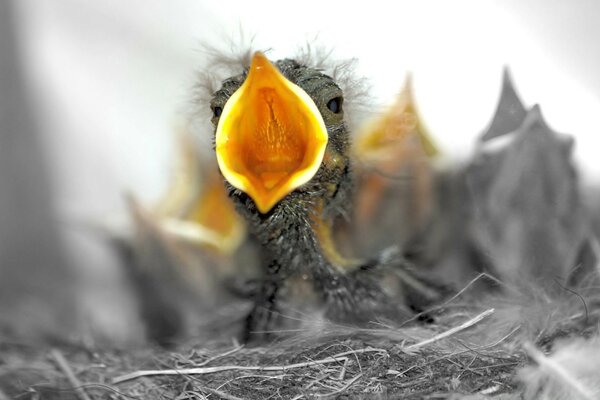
(280,133)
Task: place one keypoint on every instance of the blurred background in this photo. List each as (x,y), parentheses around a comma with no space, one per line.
(91,93)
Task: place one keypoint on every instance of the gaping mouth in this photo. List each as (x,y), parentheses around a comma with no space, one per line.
(271,137)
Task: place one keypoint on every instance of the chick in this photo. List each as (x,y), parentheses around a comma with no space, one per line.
(284,151)
(528,222)
(182,254)
(396,178)
(195,207)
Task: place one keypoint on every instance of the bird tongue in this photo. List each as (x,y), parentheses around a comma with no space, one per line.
(271,179)
(277,144)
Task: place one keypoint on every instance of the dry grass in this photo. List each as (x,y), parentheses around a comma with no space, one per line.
(476,347)
(349,366)
(455,356)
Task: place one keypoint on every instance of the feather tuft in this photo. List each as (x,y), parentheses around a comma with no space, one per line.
(234,55)
(538,315)
(356,88)
(572,372)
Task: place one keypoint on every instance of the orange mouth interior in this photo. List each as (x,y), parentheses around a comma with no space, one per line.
(271,137)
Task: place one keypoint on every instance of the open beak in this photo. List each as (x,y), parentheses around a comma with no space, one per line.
(271,137)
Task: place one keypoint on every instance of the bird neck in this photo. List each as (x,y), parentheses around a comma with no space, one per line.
(297,237)
(322,228)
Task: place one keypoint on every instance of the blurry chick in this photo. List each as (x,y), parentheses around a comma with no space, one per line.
(195,207)
(284,151)
(185,250)
(528,222)
(394,156)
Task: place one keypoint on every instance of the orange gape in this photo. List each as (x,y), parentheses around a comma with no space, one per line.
(196,208)
(394,145)
(215,211)
(276,144)
(270,137)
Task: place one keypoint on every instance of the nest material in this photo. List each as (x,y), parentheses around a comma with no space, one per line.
(356,366)
(465,352)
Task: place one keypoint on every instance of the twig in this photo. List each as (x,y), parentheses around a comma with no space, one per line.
(490,390)
(263,377)
(506,364)
(212,370)
(343,371)
(340,357)
(222,395)
(489,346)
(343,388)
(467,368)
(361,351)
(410,383)
(451,332)
(227,353)
(332,385)
(190,394)
(558,371)
(316,380)
(353,352)
(457,295)
(64,366)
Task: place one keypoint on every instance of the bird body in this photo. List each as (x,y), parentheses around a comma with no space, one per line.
(530,225)
(295,231)
(395,175)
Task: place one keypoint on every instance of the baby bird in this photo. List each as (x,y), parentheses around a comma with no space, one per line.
(284,151)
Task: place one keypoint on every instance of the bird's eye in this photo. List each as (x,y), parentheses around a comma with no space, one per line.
(217,111)
(335,105)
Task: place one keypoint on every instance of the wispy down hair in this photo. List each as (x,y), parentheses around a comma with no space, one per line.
(235,55)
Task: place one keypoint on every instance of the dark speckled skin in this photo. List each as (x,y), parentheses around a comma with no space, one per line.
(289,241)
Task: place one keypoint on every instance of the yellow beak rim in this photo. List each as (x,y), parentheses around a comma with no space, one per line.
(271,137)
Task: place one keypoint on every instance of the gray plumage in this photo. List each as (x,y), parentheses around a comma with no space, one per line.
(527,215)
(510,112)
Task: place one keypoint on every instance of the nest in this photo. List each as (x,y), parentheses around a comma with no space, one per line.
(464,353)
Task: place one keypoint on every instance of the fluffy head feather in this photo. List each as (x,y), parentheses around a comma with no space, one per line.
(219,63)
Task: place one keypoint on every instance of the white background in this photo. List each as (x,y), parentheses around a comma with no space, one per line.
(110,77)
